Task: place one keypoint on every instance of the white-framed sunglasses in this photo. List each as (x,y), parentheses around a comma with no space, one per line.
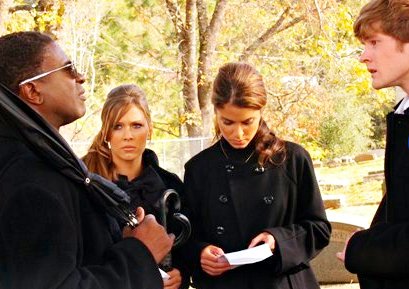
(73,72)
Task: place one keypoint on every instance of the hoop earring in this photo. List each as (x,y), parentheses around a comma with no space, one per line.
(108,144)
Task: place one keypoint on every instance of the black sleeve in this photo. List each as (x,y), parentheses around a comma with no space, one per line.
(192,197)
(40,248)
(381,251)
(302,240)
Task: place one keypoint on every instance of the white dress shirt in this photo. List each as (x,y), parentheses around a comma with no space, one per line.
(403,105)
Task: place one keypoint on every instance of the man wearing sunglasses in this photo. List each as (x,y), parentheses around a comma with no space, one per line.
(52,234)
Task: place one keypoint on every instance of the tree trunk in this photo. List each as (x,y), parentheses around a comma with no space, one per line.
(208,36)
(197,91)
(187,48)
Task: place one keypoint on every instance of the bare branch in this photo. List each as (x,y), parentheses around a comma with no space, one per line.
(319,13)
(292,23)
(79,128)
(263,38)
(168,131)
(20,8)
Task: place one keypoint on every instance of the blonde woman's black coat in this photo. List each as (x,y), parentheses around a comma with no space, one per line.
(230,203)
(146,191)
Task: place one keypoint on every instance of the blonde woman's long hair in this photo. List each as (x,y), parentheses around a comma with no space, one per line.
(119,101)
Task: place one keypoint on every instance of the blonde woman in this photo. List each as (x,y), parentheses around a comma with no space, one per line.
(119,153)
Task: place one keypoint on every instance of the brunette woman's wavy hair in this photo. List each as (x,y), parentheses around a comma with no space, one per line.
(119,101)
(242,85)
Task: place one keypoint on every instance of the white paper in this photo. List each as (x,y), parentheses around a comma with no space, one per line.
(248,256)
(165,276)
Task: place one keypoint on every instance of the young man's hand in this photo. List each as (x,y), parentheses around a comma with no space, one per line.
(341,255)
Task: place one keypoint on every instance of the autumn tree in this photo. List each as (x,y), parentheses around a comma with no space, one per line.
(197,72)
(42,15)
(305,51)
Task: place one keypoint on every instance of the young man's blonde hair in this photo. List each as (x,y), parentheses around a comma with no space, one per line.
(387,16)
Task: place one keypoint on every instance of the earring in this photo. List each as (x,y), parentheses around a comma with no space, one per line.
(149,139)
(108,143)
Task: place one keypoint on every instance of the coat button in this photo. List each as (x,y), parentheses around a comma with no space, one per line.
(268,200)
(229,168)
(223,199)
(259,169)
(220,230)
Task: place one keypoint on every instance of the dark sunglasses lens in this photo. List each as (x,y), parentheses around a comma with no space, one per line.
(73,71)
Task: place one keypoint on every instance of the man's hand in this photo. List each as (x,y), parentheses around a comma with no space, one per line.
(152,234)
(140,214)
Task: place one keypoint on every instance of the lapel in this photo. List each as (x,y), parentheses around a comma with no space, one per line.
(397,105)
(406,111)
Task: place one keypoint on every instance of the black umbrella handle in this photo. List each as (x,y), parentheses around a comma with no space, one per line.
(186,229)
(170,201)
(171,198)
(166,263)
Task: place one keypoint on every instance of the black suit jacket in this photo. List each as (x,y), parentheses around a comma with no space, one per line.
(53,236)
(380,255)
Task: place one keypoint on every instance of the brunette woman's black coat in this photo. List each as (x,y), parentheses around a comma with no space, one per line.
(231,203)
(52,235)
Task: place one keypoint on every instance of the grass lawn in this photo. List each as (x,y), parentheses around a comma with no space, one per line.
(348,180)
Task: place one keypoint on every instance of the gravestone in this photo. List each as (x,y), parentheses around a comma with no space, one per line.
(317,163)
(374,177)
(333,201)
(333,184)
(364,157)
(327,268)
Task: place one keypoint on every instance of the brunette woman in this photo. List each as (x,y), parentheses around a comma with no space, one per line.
(249,188)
